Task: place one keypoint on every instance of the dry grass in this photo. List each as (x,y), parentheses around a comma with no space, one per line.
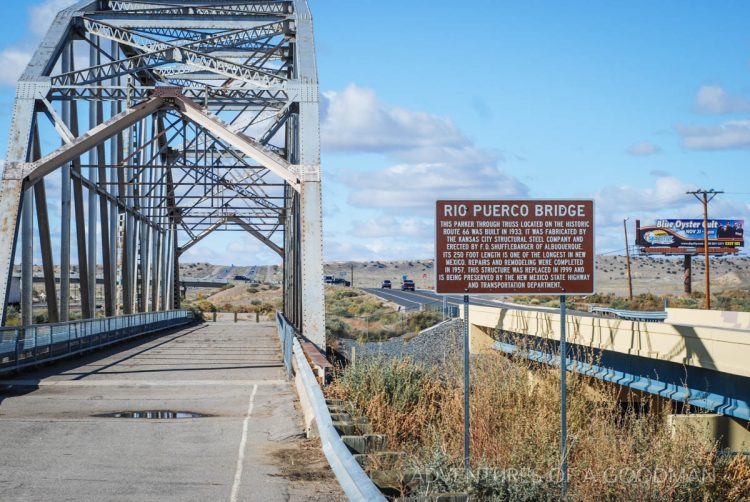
(354,314)
(614,454)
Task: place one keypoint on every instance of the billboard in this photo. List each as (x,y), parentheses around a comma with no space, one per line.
(509,247)
(685,236)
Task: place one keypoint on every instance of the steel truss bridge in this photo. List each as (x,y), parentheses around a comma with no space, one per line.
(155,123)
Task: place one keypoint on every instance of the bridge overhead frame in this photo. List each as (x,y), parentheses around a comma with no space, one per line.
(153,124)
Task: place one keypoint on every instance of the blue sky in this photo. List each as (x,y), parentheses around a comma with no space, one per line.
(629,103)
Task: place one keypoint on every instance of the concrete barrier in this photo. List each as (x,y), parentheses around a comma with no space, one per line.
(714,318)
(722,349)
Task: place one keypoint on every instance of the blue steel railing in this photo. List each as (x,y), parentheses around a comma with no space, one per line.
(26,346)
(684,389)
(287,333)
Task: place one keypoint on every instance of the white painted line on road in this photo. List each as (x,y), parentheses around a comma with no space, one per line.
(140,383)
(397,297)
(243,443)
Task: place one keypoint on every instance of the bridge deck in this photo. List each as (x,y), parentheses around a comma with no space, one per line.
(55,447)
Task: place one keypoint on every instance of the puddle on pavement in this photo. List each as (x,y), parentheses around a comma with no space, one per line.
(154,414)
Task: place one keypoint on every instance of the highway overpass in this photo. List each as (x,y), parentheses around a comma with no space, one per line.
(696,357)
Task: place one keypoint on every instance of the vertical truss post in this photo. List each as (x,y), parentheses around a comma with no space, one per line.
(113,211)
(45,244)
(313,304)
(92,196)
(176,300)
(166,296)
(78,209)
(15,195)
(101,156)
(123,193)
(11,196)
(67,58)
(27,257)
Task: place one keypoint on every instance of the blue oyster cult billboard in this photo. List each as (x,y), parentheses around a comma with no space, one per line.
(685,236)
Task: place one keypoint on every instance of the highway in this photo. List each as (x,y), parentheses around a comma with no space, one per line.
(414,300)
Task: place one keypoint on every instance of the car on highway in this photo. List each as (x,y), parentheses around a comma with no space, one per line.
(328,279)
(386,284)
(344,282)
(407,285)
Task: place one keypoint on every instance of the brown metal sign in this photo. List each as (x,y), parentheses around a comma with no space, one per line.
(509,247)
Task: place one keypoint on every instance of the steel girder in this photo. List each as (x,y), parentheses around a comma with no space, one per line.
(150,125)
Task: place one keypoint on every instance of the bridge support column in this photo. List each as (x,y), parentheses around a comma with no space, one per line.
(479,340)
(731,433)
(313,301)
(65,203)
(27,256)
(176,293)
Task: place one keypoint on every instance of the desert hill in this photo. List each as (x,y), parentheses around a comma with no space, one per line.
(650,274)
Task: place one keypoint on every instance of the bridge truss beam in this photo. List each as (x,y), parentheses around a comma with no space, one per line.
(141,127)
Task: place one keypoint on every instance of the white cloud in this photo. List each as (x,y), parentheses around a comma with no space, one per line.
(14,58)
(42,15)
(716,100)
(381,248)
(427,157)
(643,148)
(389,226)
(356,120)
(615,203)
(230,248)
(732,134)
(418,186)
(13,61)
(431,157)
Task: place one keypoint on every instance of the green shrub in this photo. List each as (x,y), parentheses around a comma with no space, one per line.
(422,320)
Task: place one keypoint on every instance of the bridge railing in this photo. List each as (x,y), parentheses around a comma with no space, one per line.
(287,334)
(353,480)
(631,315)
(448,310)
(26,346)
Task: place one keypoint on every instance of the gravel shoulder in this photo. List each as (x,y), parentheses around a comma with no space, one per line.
(436,345)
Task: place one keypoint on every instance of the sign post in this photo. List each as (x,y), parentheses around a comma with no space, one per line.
(467,418)
(563,398)
(515,247)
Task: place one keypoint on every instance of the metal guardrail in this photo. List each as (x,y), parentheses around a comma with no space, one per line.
(353,480)
(26,346)
(631,315)
(449,310)
(286,337)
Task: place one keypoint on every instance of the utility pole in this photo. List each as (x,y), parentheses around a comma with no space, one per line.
(627,255)
(706,196)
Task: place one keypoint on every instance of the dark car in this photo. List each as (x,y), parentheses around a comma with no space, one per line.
(386,284)
(407,285)
(338,280)
(240,278)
